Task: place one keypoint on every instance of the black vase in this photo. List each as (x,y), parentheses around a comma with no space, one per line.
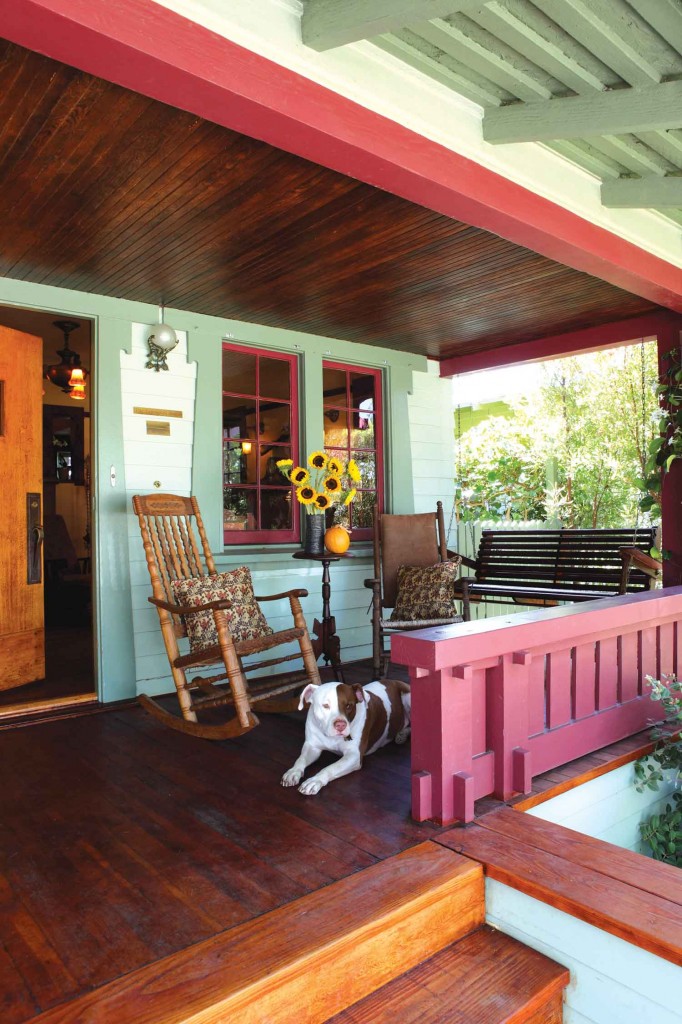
(313,543)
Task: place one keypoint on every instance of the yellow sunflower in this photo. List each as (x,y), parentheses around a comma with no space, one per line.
(323,501)
(331,484)
(317,460)
(299,476)
(354,471)
(284,464)
(335,466)
(349,497)
(306,495)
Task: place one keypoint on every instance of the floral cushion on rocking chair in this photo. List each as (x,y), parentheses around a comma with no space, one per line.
(245,618)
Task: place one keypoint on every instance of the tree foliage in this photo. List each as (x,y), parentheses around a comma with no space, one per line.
(577,449)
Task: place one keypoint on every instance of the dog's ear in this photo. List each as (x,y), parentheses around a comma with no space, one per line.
(307,695)
(359,694)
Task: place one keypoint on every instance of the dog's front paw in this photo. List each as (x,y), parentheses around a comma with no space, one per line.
(311,786)
(292,777)
(403,736)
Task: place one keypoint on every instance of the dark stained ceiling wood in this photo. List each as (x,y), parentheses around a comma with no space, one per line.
(106,191)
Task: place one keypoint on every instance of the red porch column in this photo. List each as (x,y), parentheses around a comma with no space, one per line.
(668,337)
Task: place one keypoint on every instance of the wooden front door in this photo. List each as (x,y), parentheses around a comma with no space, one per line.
(22,631)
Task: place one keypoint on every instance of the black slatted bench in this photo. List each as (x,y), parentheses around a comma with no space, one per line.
(543,567)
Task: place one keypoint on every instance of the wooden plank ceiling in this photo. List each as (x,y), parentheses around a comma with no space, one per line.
(106,191)
(527,61)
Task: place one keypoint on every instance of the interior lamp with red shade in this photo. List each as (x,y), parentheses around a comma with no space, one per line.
(77,384)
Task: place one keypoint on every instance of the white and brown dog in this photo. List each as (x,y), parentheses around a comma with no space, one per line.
(351,721)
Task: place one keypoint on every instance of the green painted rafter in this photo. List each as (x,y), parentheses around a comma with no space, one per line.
(620,111)
(652,192)
(326,24)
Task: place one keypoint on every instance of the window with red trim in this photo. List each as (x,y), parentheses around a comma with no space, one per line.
(260,427)
(353,430)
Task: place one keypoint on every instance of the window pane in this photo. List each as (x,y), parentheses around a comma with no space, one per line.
(367,465)
(274,422)
(362,390)
(342,516)
(239,416)
(362,509)
(239,462)
(274,379)
(239,372)
(334,386)
(362,435)
(275,509)
(269,457)
(239,508)
(336,428)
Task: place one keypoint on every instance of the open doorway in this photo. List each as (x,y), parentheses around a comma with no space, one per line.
(61,441)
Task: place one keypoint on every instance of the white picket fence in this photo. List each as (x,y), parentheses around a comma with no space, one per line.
(465,538)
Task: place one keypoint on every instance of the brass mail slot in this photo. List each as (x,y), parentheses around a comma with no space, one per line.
(142,410)
(158,427)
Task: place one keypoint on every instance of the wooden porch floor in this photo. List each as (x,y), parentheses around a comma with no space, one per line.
(122,842)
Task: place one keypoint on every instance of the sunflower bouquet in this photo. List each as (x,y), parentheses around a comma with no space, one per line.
(328,481)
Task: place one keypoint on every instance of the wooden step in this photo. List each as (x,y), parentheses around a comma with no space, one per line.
(317,955)
(485,978)
(581,876)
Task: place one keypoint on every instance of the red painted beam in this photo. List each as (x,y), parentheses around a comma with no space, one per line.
(147,48)
(591,339)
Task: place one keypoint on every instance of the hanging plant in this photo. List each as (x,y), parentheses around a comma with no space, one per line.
(667,447)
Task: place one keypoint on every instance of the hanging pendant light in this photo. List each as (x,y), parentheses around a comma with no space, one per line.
(68,374)
(77,382)
(161,341)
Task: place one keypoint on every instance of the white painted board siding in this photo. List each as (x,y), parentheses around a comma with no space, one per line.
(432,448)
(151,460)
(607,808)
(612,981)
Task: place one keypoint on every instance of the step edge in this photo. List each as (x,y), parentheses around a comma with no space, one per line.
(334,948)
(551,988)
(468,876)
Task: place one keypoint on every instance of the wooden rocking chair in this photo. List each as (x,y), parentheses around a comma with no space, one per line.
(168,524)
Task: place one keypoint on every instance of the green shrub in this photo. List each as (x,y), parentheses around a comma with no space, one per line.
(662,832)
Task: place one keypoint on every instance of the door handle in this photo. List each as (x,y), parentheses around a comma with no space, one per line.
(34,539)
(39,537)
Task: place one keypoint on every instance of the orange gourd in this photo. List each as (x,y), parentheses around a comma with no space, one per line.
(337,540)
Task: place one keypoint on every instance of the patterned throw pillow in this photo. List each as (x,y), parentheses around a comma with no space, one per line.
(246,620)
(426,592)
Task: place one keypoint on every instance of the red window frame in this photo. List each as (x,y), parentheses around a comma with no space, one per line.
(261,536)
(364,532)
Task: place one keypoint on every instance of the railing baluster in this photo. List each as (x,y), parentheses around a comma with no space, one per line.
(607,672)
(628,667)
(584,681)
(559,673)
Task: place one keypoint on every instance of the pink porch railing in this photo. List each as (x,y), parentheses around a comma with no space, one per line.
(498,701)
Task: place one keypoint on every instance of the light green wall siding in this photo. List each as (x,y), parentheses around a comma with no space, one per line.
(418,470)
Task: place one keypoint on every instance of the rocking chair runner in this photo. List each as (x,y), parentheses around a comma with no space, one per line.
(416,540)
(168,523)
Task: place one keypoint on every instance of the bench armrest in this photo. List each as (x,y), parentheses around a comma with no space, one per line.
(633,557)
(278,597)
